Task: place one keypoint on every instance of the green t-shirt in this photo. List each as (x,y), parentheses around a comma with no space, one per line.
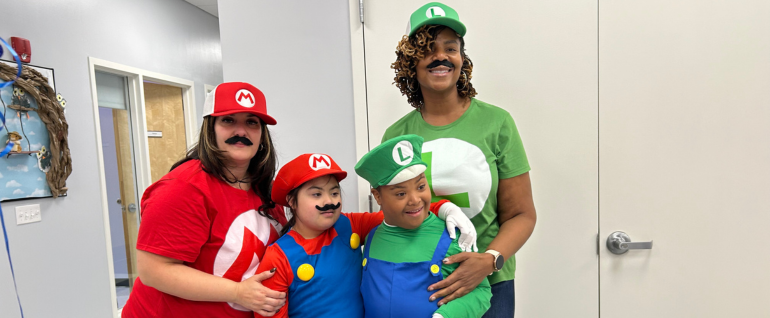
(398,245)
(466,159)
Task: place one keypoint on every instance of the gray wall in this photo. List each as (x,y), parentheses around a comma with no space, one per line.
(305,73)
(61,262)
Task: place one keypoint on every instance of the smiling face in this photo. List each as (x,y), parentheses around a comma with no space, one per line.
(440,70)
(321,192)
(405,204)
(238,136)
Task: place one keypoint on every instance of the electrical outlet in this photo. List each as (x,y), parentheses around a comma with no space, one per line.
(28,214)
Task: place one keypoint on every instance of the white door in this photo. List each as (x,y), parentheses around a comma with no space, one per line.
(684,130)
(538,60)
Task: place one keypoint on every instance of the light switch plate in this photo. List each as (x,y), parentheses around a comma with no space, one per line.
(28,214)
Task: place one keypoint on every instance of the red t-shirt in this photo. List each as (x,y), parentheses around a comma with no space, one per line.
(194,217)
(361,224)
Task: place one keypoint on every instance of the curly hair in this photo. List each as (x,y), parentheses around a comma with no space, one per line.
(412,49)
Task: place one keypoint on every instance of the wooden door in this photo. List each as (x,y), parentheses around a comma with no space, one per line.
(537,60)
(684,105)
(128,196)
(164,110)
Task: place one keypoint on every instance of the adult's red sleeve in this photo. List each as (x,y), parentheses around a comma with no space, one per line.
(175,222)
(280,282)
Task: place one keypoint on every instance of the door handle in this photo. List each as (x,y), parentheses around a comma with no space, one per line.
(619,242)
(132,208)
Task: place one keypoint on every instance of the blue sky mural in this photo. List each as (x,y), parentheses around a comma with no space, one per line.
(20,175)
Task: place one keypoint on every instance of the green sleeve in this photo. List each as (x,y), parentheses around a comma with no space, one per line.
(511,158)
(473,304)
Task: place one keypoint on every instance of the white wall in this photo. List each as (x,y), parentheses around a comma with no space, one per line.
(298,53)
(61,262)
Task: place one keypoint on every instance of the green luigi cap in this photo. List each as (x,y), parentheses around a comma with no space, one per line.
(392,162)
(435,13)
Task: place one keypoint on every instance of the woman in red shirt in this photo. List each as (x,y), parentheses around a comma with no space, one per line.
(206,224)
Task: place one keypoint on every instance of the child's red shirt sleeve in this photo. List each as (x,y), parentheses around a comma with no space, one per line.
(436,205)
(363,222)
(280,282)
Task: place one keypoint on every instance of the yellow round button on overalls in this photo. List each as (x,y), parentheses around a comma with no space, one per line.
(305,272)
(355,241)
(434,269)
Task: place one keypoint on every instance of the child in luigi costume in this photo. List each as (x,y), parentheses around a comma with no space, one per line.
(317,261)
(405,255)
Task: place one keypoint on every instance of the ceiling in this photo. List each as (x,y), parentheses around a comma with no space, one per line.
(209,6)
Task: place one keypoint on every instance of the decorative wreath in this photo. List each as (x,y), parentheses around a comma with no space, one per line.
(52,115)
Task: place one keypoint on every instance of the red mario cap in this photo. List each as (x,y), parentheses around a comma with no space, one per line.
(237,97)
(303,169)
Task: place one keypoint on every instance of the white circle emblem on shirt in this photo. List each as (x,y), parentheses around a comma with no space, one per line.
(245,98)
(403,153)
(459,170)
(250,227)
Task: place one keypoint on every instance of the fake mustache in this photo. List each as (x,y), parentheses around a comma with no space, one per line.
(440,63)
(234,139)
(329,207)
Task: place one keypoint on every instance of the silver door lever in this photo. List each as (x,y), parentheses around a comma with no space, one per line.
(619,243)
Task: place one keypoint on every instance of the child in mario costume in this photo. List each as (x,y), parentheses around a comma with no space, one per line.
(405,255)
(318,259)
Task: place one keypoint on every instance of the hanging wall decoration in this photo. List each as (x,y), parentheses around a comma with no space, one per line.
(39,161)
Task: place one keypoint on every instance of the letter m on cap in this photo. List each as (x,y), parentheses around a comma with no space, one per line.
(320,159)
(243,95)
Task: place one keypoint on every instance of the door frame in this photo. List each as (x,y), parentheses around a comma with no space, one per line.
(360,103)
(135,79)
(208,88)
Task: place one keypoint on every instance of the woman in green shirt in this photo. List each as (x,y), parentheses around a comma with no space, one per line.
(473,150)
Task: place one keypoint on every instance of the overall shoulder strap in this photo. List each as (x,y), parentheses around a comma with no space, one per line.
(295,255)
(343,226)
(441,248)
(368,245)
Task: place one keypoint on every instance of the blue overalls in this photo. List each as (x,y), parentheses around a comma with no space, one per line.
(333,289)
(394,290)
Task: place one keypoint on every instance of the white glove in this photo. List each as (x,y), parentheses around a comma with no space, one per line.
(435,315)
(455,218)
